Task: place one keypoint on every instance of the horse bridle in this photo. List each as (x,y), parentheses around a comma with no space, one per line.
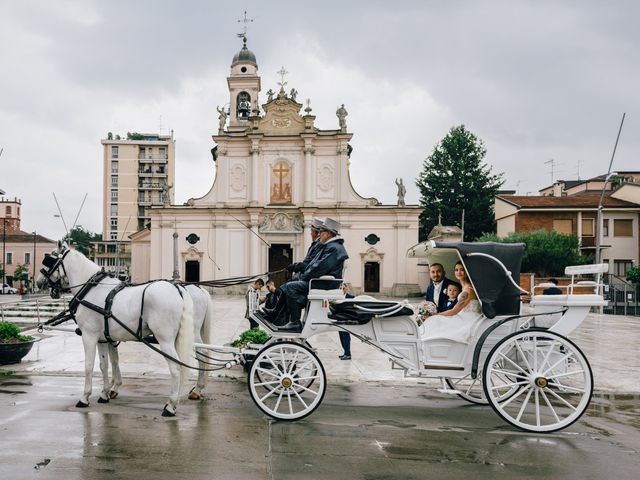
(52,263)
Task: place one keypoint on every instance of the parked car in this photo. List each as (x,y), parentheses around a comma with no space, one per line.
(7,289)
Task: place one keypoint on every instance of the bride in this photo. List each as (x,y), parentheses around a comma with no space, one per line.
(455,323)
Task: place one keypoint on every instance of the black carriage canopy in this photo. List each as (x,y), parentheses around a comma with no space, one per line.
(498,295)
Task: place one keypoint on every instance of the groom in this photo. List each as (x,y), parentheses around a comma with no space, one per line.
(437,289)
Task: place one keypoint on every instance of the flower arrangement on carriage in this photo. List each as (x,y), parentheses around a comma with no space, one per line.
(424,311)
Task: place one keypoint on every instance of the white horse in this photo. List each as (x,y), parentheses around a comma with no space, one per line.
(202,318)
(168,315)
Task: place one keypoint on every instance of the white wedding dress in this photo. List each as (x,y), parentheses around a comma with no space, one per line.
(457,327)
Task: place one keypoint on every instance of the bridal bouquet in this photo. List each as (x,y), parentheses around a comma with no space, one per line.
(425,310)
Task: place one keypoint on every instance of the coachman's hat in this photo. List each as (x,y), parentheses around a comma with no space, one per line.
(316,224)
(331,225)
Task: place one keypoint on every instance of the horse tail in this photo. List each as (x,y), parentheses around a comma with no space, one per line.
(208,320)
(184,340)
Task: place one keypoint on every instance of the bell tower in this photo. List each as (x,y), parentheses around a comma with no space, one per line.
(244,87)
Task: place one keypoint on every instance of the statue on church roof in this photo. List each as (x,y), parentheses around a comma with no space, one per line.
(293,94)
(342,113)
(222,118)
(270,94)
(166,199)
(402,191)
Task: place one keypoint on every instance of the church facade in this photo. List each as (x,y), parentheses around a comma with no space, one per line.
(275,171)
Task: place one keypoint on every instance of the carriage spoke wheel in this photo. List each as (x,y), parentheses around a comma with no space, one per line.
(553,377)
(287,381)
(471,389)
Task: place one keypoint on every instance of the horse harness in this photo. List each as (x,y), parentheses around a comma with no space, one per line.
(79,299)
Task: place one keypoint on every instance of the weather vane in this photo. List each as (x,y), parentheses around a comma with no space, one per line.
(244,20)
(282,72)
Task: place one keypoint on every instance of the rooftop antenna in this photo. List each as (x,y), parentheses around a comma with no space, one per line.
(606,180)
(1,150)
(160,126)
(518,186)
(578,168)
(60,212)
(553,163)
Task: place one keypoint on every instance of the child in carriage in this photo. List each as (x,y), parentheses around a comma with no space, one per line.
(455,322)
(453,290)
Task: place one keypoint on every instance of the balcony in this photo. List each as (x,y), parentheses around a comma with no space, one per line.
(153,159)
(144,202)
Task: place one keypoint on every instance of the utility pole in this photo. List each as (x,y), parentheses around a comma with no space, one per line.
(606,180)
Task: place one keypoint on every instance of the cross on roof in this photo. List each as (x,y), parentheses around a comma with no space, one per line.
(244,20)
(282,72)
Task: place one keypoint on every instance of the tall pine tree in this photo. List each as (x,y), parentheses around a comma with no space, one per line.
(455,178)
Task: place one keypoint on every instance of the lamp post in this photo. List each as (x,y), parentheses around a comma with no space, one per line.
(33,261)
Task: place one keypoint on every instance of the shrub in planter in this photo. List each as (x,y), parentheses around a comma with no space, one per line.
(13,345)
(253,335)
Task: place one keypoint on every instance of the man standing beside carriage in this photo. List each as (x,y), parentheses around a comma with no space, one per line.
(329,259)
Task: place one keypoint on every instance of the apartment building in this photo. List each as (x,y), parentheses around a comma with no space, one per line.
(138,173)
(572,206)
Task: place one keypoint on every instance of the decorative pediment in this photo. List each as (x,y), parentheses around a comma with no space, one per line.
(281,117)
(281,222)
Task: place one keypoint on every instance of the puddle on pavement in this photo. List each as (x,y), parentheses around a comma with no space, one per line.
(621,408)
(6,384)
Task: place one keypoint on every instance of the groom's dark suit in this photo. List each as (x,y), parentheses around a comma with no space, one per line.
(441,301)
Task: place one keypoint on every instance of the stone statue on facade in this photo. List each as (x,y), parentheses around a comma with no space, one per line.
(222,118)
(402,191)
(342,113)
(270,94)
(166,199)
(293,94)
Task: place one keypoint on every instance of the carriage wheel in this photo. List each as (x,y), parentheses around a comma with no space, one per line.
(471,389)
(553,376)
(287,381)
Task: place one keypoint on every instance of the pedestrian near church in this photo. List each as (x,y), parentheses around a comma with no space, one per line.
(345,337)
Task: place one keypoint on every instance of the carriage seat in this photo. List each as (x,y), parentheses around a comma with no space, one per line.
(362,309)
(325,287)
(575,300)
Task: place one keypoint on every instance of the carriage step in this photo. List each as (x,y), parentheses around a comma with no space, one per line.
(449,391)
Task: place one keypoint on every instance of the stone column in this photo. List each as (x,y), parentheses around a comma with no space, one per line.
(254,196)
(254,242)
(176,268)
(308,174)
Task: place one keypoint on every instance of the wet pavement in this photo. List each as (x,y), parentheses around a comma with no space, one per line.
(372,424)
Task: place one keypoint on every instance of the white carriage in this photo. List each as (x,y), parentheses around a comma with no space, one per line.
(519,362)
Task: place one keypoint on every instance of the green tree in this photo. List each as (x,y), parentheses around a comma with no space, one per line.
(633,274)
(547,253)
(82,239)
(455,178)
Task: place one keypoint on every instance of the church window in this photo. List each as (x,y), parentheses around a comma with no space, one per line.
(281,183)
(243,69)
(244,105)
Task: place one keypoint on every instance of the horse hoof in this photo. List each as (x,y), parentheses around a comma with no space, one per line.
(167,413)
(103,400)
(81,404)
(113,394)
(195,396)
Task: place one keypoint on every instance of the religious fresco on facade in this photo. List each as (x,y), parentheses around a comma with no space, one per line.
(281,183)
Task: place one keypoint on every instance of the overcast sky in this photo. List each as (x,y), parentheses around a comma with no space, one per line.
(535,80)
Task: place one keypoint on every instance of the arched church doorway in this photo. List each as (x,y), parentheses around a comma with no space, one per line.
(372,277)
(280,256)
(192,271)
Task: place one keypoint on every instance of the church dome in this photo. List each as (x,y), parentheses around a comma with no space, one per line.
(244,56)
